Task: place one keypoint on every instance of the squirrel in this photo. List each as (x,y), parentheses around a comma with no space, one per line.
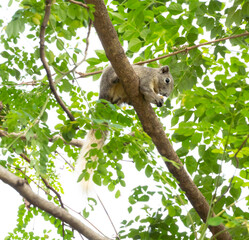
(153,81)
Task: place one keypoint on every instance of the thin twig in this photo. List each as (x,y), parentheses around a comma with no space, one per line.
(83,75)
(86,220)
(87,44)
(22,136)
(31,83)
(79,3)
(185,50)
(108,217)
(68,163)
(44,62)
(239,149)
(86,49)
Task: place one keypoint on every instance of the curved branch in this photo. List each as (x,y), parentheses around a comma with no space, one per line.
(184,50)
(22,187)
(79,3)
(147,116)
(44,62)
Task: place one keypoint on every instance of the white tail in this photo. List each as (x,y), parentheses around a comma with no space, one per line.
(81,162)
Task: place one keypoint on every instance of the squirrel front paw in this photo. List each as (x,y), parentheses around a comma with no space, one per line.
(159,101)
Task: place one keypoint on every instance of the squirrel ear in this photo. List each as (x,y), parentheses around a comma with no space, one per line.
(165,69)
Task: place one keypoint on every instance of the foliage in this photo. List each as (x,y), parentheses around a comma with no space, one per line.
(208,110)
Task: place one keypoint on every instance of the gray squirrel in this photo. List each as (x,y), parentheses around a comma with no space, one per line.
(153,81)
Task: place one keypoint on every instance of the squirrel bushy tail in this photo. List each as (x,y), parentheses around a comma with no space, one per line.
(84,153)
(153,83)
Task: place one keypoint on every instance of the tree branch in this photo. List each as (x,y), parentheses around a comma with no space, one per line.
(184,50)
(44,62)
(22,187)
(147,116)
(74,142)
(79,3)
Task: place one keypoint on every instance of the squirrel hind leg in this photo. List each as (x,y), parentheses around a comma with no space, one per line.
(115,80)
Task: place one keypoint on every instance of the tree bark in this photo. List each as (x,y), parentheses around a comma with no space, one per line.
(147,116)
(21,186)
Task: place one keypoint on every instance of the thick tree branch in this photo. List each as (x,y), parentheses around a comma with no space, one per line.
(44,62)
(22,187)
(147,116)
(184,50)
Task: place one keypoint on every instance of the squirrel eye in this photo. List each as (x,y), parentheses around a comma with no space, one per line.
(167,80)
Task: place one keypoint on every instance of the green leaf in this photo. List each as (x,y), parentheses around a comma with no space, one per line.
(139,17)
(10,3)
(144,198)
(130,209)
(148,171)
(245,10)
(191,37)
(135,45)
(237,17)
(119,18)
(171,211)
(182,152)
(196,138)
(85,213)
(132,200)
(111,187)
(102,169)
(66,86)
(98,134)
(215,221)
(97,179)
(235,192)
(117,194)
(133,4)
(169,23)
(101,55)
(174,121)
(93,61)
(191,164)
(214,6)
(139,163)
(175,8)
(180,40)
(60,44)
(50,56)
(71,11)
